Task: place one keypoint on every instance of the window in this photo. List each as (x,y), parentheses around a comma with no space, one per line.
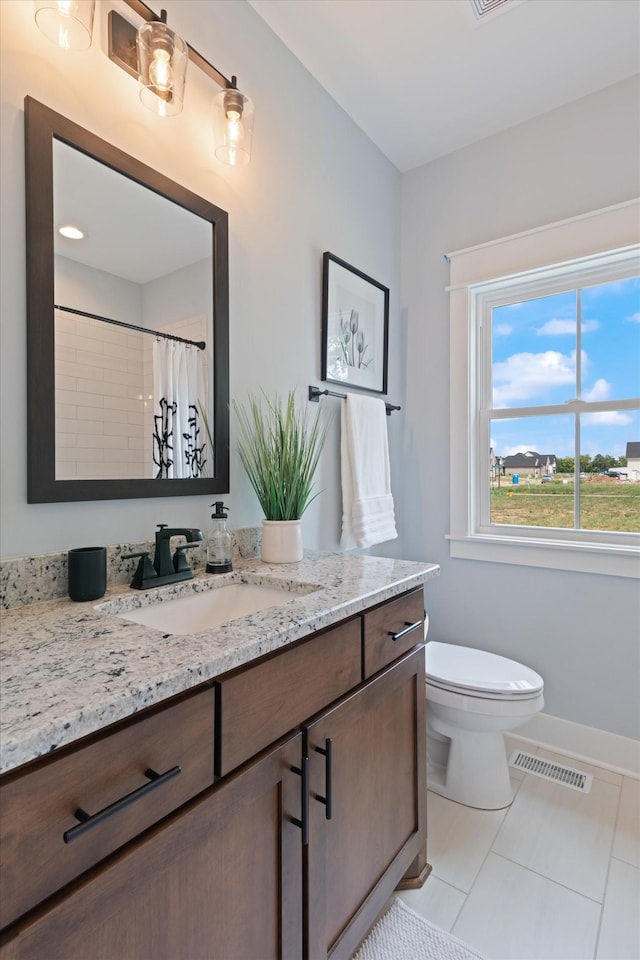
(550,407)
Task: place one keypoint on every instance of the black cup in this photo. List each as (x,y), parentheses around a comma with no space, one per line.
(87,573)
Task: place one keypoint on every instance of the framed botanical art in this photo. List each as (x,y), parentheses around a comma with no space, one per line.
(355,327)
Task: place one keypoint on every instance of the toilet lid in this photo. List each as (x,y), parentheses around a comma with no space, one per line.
(466,669)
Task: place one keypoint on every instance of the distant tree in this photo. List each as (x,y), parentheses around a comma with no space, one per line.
(602,461)
(564,464)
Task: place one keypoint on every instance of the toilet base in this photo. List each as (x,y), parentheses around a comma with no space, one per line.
(475,771)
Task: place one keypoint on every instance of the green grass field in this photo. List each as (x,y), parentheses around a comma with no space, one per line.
(608,505)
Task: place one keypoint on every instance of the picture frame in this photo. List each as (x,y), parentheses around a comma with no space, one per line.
(355,327)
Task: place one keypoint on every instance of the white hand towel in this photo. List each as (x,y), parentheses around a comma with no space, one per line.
(367,504)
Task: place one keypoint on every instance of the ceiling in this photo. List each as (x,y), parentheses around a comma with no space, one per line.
(129,231)
(423,78)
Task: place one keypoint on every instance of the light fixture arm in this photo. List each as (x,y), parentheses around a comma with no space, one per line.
(147,55)
(196,58)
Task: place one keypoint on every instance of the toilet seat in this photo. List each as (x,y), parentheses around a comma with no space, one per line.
(476,673)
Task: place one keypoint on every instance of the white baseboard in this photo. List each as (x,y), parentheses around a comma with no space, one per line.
(598,747)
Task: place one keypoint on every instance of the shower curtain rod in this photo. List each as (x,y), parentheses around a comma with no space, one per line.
(200,344)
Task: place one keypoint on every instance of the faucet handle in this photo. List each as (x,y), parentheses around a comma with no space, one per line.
(145,569)
(180,564)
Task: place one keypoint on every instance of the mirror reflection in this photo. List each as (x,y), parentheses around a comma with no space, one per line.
(127,324)
(133,328)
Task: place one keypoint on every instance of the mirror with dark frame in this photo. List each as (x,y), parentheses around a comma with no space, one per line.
(127,327)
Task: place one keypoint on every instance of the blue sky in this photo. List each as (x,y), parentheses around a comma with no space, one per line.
(534,363)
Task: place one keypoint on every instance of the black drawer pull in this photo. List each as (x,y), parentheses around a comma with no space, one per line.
(408,628)
(327,799)
(87,821)
(303,772)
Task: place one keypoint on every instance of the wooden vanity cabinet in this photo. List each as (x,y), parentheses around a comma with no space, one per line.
(226,875)
(367,759)
(261,702)
(38,804)
(219,880)
(391,629)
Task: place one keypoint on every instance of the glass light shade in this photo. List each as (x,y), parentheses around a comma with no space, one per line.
(232,127)
(162,68)
(67,23)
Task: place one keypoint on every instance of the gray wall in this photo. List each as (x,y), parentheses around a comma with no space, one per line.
(581,632)
(315,183)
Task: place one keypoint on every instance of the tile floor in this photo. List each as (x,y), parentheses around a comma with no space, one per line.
(555,876)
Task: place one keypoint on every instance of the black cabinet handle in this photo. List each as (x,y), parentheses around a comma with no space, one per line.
(326,752)
(87,821)
(303,772)
(408,628)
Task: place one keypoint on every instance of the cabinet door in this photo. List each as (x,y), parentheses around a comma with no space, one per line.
(374,745)
(220,880)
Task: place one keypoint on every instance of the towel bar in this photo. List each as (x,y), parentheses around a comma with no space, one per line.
(315,393)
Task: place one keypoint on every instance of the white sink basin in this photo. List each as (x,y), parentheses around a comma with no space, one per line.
(201,611)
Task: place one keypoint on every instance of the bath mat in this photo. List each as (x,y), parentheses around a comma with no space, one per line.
(402,934)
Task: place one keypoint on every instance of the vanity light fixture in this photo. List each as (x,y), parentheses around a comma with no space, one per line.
(232,126)
(68,23)
(162,67)
(154,54)
(71,232)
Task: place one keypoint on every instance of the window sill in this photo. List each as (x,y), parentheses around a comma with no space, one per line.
(583,557)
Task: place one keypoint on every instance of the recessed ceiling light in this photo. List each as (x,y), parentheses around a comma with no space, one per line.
(71,232)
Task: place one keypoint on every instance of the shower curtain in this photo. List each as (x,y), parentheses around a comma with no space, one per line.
(178,445)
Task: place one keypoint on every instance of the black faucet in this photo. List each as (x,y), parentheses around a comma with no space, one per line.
(162,562)
(165,569)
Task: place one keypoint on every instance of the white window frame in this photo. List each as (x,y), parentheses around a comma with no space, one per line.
(536,263)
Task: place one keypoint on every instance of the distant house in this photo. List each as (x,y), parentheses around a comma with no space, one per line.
(633,460)
(530,464)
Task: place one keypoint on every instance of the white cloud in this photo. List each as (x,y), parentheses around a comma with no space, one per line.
(520,448)
(502,329)
(558,328)
(601,390)
(610,418)
(634,318)
(524,376)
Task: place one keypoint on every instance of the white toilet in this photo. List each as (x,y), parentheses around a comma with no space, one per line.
(472,698)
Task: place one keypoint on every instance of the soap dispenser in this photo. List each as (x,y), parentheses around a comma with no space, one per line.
(219,541)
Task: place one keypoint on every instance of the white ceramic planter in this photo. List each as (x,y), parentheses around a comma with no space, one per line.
(282,541)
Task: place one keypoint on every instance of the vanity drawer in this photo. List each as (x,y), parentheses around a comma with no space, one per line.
(259,704)
(386,633)
(37,807)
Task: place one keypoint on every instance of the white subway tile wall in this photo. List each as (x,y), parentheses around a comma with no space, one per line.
(100,401)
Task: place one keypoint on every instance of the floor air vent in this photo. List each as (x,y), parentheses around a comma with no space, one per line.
(483,7)
(551,771)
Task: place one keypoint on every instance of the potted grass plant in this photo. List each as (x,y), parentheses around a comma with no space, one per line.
(279,448)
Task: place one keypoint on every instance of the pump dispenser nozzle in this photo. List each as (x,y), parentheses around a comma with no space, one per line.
(219,541)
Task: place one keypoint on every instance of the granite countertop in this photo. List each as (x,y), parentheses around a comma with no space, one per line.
(69,669)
